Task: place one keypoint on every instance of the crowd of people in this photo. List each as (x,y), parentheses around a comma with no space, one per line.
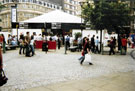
(27,43)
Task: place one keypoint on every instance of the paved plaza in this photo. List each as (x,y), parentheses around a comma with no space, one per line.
(56,71)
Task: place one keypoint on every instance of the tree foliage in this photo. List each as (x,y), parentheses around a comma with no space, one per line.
(112,16)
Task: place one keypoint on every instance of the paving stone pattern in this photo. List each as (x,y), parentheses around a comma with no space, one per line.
(55,66)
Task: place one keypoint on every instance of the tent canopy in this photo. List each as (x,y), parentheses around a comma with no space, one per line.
(55,16)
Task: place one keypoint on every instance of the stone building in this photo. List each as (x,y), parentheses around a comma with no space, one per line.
(26,9)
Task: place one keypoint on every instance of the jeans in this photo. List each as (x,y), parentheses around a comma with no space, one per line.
(21,47)
(32,49)
(81,58)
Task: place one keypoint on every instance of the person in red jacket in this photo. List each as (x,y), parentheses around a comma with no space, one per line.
(124,43)
(1,62)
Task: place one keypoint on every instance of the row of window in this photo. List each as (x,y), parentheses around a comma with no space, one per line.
(70,6)
(72,2)
(46,4)
(71,12)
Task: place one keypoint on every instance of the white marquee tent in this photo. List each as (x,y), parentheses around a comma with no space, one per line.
(55,16)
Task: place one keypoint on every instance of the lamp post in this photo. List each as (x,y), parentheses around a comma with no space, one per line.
(81,4)
(14,15)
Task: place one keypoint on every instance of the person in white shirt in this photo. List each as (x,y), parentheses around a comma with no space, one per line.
(96,45)
(32,45)
(79,43)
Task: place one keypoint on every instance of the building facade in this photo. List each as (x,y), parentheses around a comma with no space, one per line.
(71,6)
(26,9)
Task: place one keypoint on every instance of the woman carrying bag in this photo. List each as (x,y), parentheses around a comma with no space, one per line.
(85,51)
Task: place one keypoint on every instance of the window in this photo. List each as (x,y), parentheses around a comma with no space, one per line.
(73,7)
(51,5)
(68,6)
(70,12)
(23,0)
(45,4)
(65,5)
(70,1)
(7,0)
(40,3)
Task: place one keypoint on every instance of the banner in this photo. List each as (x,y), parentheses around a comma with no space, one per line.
(13,14)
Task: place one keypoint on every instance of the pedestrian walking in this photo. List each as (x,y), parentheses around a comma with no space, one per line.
(111,45)
(85,51)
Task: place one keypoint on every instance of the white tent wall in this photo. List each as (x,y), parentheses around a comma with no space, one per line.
(23,31)
(85,33)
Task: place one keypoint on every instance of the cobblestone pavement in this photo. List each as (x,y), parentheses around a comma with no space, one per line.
(122,81)
(43,69)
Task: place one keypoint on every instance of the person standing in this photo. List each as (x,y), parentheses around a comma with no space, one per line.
(96,45)
(45,46)
(79,43)
(93,44)
(59,42)
(67,42)
(4,43)
(9,39)
(32,45)
(114,42)
(124,44)
(111,45)
(27,41)
(22,44)
(1,61)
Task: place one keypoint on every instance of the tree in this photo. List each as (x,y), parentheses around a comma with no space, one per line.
(113,16)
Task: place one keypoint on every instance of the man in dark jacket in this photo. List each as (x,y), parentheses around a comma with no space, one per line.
(93,44)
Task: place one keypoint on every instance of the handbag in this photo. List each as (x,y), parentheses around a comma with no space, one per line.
(3,78)
(87,58)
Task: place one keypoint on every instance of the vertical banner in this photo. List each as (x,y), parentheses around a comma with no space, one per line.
(13,14)
(14,18)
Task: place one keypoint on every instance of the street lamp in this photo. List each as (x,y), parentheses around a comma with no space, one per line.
(14,15)
(81,4)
